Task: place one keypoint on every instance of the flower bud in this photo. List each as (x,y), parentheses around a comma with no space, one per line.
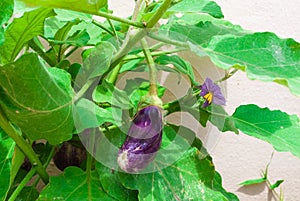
(143,140)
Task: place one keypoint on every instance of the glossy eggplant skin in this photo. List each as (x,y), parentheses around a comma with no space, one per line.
(143,140)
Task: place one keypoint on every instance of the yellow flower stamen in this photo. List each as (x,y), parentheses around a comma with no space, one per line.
(209,97)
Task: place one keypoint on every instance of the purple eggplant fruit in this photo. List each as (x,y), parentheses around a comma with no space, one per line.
(143,140)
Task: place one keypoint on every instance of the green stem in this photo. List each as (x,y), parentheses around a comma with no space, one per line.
(29,175)
(24,146)
(153,54)
(152,68)
(21,185)
(40,52)
(168,40)
(89,160)
(116,18)
(103,27)
(114,74)
(227,75)
(158,14)
(134,38)
(85,87)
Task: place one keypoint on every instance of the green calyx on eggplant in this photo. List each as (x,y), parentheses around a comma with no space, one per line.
(143,140)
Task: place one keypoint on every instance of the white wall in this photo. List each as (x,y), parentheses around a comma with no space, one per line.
(239,158)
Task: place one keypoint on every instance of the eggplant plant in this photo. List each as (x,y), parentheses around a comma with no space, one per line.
(84,90)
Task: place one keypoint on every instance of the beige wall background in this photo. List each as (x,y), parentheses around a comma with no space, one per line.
(239,157)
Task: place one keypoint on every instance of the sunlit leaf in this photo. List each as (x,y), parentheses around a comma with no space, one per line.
(264,56)
(276,127)
(253,181)
(276,184)
(197,6)
(80,6)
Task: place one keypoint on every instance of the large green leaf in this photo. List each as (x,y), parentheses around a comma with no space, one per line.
(197,6)
(188,178)
(38,99)
(21,30)
(199,29)
(80,6)
(6,152)
(74,184)
(264,56)
(276,127)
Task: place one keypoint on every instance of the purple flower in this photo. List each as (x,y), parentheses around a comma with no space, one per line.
(143,140)
(211,93)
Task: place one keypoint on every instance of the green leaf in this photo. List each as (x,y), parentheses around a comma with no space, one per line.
(38,99)
(1,36)
(253,181)
(197,6)
(199,31)
(188,178)
(89,115)
(62,33)
(108,93)
(80,6)
(79,38)
(52,25)
(7,8)
(181,65)
(74,185)
(137,88)
(276,184)
(7,146)
(219,117)
(96,63)
(217,185)
(21,30)
(264,56)
(276,127)
(111,184)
